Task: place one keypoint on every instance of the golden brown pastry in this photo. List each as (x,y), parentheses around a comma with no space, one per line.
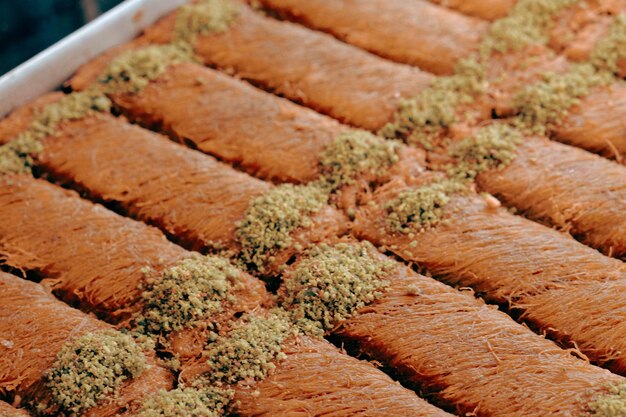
(469,241)
(413,32)
(42,340)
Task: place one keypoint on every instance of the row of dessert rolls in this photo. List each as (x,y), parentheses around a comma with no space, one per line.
(458,339)
(465,355)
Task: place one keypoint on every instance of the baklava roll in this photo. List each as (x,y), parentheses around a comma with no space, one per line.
(561,186)
(59,361)
(347,83)
(463,352)
(537,273)
(431,37)
(268,136)
(449,36)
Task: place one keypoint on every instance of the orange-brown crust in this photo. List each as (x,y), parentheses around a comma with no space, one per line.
(417,33)
(267,136)
(198,201)
(107,274)
(511,261)
(568,188)
(581,309)
(590,124)
(317,379)
(124,165)
(469,354)
(37,234)
(35,327)
(306,67)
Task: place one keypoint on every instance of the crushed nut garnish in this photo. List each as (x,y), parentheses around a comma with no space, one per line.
(17,155)
(331,282)
(188,401)
(133,70)
(272,217)
(250,350)
(420,208)
(92,368)
(187,294)
(491,147)
(354,153)
(203,18)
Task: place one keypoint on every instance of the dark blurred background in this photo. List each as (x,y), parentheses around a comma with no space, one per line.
(30,26)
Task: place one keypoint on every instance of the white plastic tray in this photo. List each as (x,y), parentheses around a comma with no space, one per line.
(50,68)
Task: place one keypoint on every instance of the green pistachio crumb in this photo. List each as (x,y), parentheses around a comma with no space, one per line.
(331,283)
(492,147)
(271,217)
(92,368)
(133,70)
(188,401)
(187,294)
(421,119)
(248,352)
(70,107)
(204,18)
(612,48)
(17,155)
(354,153)
(543,105)
(420,208)
(528,23)
(611,404)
